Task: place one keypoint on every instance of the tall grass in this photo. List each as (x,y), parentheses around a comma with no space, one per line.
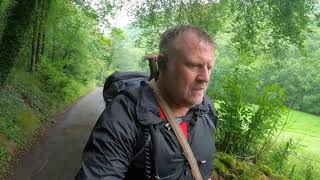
(302,155)
(305,128)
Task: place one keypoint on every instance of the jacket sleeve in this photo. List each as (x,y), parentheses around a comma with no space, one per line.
(110,147)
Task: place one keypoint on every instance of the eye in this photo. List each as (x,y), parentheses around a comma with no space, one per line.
(192,66)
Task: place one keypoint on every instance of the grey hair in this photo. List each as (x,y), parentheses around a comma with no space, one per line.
(170,35)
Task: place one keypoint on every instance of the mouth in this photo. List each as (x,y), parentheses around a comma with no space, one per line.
(198,89)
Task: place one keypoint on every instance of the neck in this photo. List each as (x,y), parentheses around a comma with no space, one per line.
(176,109)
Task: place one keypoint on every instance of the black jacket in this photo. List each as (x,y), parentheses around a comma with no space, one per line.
(117,137)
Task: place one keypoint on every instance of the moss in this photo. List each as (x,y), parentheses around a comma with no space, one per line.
(278,177)
(241,167)
(220,167)
(227,167)
(262,177)
(227,160)
(265,169)
(230,176)
(252,173)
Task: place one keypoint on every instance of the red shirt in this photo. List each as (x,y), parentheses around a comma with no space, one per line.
(183,125)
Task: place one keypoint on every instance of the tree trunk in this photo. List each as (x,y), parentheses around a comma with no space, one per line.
(35,37)
(52,54)
(43,33)
(44,8)
(38,34)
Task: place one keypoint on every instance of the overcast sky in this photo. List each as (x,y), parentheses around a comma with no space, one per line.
(122,19)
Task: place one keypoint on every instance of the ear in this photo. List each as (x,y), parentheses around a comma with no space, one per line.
(162,58)
(151,57)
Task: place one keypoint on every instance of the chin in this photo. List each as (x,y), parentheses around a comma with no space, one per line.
(196,101)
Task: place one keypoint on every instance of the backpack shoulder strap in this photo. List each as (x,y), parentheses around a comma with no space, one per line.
(178,132)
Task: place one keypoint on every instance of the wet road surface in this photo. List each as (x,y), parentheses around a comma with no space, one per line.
(58,155)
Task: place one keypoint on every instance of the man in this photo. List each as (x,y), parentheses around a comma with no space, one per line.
(185,62)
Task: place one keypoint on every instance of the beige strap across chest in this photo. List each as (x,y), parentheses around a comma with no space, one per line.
(178,132)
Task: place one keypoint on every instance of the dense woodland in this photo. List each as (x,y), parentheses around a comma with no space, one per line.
(267,62)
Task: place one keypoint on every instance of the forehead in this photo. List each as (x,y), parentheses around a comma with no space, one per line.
(190,42)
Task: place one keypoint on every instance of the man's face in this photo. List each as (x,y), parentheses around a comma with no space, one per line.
(188,70)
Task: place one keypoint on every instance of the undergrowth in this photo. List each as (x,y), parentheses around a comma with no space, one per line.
(28,102)
(288,157)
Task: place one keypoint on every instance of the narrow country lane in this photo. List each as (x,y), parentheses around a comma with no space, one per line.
(58,155)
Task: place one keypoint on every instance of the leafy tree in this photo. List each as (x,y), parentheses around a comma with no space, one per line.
(13,34)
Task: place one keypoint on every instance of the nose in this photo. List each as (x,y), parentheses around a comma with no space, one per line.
(204,75)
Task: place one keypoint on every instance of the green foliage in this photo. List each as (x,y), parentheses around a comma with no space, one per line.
(27,86)
(227,159)
(28,100)
(220,167)
(4,159)
(242,167)
(227,167)
(287,158)
(153,17)
(280,153)
(300,82)
(230,176)
(248,115)
(27,122)
(268,27)
(10,104)
(304,165)
(4,7)
(62,87)
(278,177)
(310,139)
(15,30)
(256,27)
(266,170)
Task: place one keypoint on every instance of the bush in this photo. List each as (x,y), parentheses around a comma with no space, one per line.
(249,114)
(61,87)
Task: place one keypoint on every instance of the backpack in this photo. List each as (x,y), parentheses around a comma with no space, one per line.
(127,83)
(122,83)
